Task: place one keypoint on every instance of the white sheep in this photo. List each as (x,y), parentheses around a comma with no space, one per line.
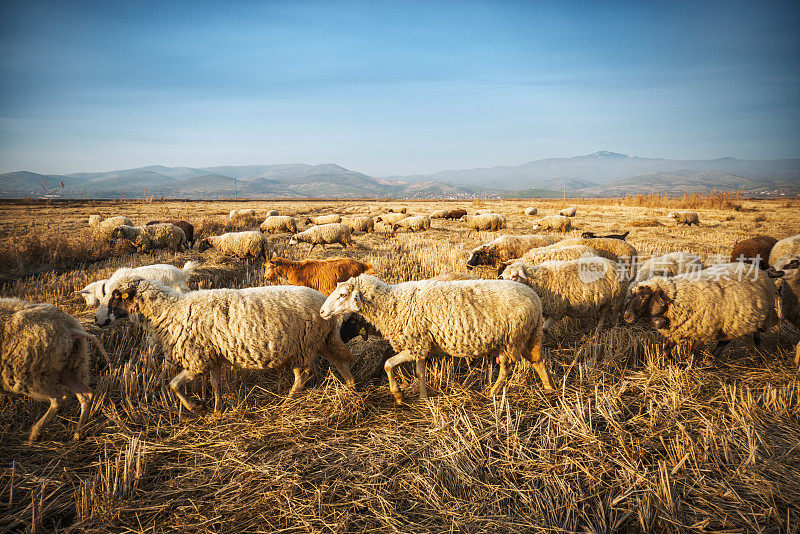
(169,275)
(550,253)
(243,213)
(484,211)
(531,211)
(324,234)
(255,328)
(417,223)
(360,224)
(487,221)
(672,264)
(505,248)
(272,213)
(783,248)
(567,212)
(43,355)
(279,223)
(155,236)
(559,223)
(391,218)
(720,304)
(787,272)
(586,287)
(95,221)
(324,219)
(462,318)
(438,214)
(247,244)
(614,249)
(687,218)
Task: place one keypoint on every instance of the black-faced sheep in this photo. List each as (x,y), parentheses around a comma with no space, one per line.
(324,219)
(155,236)
(504,248)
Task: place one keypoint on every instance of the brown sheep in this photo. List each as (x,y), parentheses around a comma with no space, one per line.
(322,275)
(455,214)
(755,248)
(187,228)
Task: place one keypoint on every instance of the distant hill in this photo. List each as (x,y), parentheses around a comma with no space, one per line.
(600,174)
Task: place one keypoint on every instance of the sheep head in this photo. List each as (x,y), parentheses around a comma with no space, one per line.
(204,245)
(646,302)
(588,235)
(515,272)
(117,305)
(271,271)
(293,240)
(483,255)
(346,298)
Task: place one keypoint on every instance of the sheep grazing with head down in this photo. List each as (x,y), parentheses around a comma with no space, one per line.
(155,236)
(256,328)
(505,248)
(783,248)
(567,212)
(464,318)
(169,275)
(324,234)
(248,244)
(586,287)
(43,355)
(246,213)
(391,218)
(613,249)
(397,210)
(531,211)
(550,253)
(324,219)
(322,275)
(417,223)
(486,222)
(719,304)
(558,223)
(754,250)
(278,224)
(187,227)
(484,211)
(273,213)
(455,214)
(360,224)
(686,218)
(786,271)
(438,214)
(672,264)
(96,221)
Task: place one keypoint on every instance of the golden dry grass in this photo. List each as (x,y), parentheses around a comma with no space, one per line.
(630,441)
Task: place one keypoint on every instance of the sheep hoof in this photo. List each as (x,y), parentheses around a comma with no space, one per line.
(398,397)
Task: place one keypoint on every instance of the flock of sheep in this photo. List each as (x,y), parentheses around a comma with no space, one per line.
(44,351)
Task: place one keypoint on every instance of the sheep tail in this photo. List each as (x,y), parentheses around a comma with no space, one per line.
(93,339)
(190,266)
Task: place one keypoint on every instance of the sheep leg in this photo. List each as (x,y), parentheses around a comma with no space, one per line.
(175,385)
(215,386)
(720,347)
(539,366)
(36,430)
(501,376)
(344,371)
(300,377)
(547,324)
(420,366)
(403,357)
(797,355)
(85,398)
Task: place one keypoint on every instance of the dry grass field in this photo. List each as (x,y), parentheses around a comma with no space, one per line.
(630,441)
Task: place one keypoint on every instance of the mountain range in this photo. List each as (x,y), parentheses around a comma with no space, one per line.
(602,174)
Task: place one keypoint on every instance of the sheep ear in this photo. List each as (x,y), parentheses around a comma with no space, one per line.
(82,292)
(658,303)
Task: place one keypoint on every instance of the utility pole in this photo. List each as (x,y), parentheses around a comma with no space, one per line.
(565,189)
(235,194)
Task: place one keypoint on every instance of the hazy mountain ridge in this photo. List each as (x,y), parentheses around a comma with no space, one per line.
(600,174)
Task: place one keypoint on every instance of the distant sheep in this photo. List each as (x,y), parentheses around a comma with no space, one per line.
(169,275)
(559,223)
(567,212)
(187,227)
(272,213)
(111,222)
(550,253)
(438,214)
(455,214)
(531,211)
(391,218)
(755,249)
(484,211)
(687,218)
(324,234)
(783,248)
(243,213)
(668,265)
(248,244)
(504,248)
(322,275)
(417,223)
(486,222)
(155,236)
(43,355)
(360,224)
(278,224)
(324,219)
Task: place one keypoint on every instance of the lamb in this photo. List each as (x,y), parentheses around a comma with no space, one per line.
(417,223)
(754,250)
(484,211)
(455,214)
(559,223)
(255,328)
(784,247)
(391,218)
(322,275)
(489,221)
(169,275)
(464,319)
(43,354)
(505,248)
(719,304)
(687,218)
(438,214)
(360,224)
(278,223)
(613,249)
(531,211)
(324,234)
(550,253)
(787,270)
(248,244)
(243,213)
(188,228)
(668,265)
(155,236)
(324,219)
(586,287)
(567,212)
(272,213)
(591,235)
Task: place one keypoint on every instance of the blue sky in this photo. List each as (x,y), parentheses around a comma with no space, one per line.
(393,88)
